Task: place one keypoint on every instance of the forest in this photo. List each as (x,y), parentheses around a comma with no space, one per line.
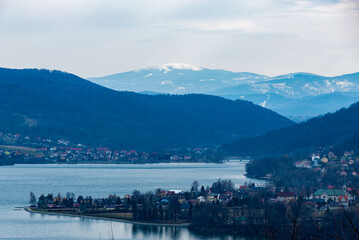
(332,129)
(54,104)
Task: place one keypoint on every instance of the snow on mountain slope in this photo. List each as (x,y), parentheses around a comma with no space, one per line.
(295,95)
(296,85)
(176,66)
(298,95)
(176,78)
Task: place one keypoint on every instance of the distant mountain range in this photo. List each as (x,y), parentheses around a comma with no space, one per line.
(54,104)
(175,78)
(334,129)
(298,95)
(297,85)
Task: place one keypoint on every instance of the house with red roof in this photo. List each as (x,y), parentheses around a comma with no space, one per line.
(333,195)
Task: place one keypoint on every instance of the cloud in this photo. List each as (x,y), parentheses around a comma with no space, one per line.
(220,26)
(94,38)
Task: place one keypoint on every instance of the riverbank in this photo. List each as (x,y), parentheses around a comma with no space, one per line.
(33,210)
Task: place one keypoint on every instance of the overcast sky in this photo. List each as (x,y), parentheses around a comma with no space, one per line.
(96,38)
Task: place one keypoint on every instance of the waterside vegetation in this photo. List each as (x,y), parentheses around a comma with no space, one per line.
(264,212)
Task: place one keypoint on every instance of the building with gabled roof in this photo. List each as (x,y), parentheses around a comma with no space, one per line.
(335,195)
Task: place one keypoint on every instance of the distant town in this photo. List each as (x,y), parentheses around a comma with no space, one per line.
(23,149)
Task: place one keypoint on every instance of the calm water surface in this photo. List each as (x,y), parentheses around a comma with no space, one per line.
(16,182)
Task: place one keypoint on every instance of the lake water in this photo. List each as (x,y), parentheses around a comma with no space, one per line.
(16,182)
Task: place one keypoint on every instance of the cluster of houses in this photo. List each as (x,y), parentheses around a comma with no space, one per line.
(7,154)
(105,154)
(344,165)
(163,198)
(20,139)
(320,200)
(62,151)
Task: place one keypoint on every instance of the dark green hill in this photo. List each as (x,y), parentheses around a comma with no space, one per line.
(351,145)
(324,131)
(55,104)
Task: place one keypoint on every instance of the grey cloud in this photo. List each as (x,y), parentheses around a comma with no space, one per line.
(93,38)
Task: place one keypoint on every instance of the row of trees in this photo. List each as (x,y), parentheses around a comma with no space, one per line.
(220,186)
(66,201)
(252,215)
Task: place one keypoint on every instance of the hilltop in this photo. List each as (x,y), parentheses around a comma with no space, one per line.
(175,78)
(329,130)
(295,95)
(54,104)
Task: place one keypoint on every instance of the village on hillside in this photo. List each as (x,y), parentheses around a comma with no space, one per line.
(40,150)
(331,170)
(344,165)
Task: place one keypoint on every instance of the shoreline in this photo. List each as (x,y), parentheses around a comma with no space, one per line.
(28,209)
(104,163)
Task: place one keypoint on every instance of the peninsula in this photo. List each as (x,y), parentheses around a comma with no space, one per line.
(221,208)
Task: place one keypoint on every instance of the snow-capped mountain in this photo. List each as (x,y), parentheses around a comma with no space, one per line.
(295,95)
(165,68)
(176,78)
(296,85)
(300,95)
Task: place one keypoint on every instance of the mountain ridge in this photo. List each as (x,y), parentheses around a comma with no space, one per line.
(181,79)
(62,105)
(174,78)
(324,131)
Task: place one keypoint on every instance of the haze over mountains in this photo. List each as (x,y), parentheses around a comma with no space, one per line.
(54,104)
(298,95)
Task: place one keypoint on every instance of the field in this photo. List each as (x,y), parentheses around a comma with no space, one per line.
(28,150)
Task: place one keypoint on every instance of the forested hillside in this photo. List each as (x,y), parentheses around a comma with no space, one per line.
(334,129)
(55,104)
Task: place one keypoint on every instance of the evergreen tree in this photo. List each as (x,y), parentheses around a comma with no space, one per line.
(190,212)
(160,209)
(32,200)
(134,209)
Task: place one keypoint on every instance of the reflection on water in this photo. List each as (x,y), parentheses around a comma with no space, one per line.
(16,182)
(24,225)
(144,231)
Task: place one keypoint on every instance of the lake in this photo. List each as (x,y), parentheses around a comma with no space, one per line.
(99,180)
